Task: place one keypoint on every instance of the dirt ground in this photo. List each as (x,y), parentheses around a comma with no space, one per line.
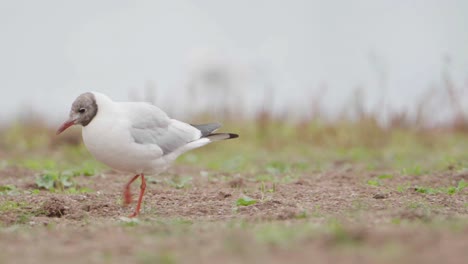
(321,217)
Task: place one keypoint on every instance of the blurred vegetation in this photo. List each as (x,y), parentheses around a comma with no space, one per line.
(268,145)
(377,139)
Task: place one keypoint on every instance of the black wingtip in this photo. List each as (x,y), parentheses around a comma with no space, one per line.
(221,136)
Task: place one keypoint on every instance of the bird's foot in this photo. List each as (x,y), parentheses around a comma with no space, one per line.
(135,214)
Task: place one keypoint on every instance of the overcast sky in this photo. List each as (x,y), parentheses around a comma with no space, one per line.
(51,51)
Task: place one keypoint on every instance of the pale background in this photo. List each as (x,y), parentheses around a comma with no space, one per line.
(51,51)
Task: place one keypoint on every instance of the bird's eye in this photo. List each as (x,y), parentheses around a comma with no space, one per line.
(82,110)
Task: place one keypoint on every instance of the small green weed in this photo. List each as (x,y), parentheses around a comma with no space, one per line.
(415,170)
(378,180)
(301,215)
(9,206)
(461,185)
(74,190)
(87,169)
(245,201)
(448,190)
(426,190)
(300,166)
(265,178)
(8,190)
(373,182)
(288,179)
(264,188)
(179,182)
(385,176)
(151,257)
(280,235)
(317,211)
(23,218)
(340,235)
(277,167)
(236,163)
(39,164)
(404,187)
(21,210)
(52,180)
(129,222)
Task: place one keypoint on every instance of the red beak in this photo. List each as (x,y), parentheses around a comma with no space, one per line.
(65,125)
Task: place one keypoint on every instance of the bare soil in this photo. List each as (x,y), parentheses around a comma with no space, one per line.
(333,216)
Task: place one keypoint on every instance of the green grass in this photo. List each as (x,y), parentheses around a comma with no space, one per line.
(461,185)
(8,206)
(385,176)
(379,180)
(9,190)
(290,150)
(179,182)
(374,182)
(403,187)
(289,154)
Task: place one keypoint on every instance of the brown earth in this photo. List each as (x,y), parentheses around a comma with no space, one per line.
(334,216)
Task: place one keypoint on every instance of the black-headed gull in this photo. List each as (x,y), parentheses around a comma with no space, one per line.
(135,137)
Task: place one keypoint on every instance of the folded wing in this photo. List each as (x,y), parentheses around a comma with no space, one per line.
(151,126)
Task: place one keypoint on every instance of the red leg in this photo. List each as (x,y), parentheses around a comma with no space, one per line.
(140,198)
(127,194)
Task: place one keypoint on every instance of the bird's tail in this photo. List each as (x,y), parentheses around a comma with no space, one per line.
(221,136)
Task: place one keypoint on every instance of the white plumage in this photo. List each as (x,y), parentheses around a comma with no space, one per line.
(132,137)
(135,137)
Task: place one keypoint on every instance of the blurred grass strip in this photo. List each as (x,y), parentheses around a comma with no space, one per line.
(317,144)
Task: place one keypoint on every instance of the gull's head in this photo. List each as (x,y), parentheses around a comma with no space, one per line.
(83,110)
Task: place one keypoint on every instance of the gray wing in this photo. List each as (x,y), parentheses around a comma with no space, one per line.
(207,129)
(151,126)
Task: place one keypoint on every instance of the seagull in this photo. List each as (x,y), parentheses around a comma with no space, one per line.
(135,137)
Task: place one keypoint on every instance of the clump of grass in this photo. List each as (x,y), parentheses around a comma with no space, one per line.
(22,210)
(455,189)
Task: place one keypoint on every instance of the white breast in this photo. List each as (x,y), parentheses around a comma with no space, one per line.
(108,139)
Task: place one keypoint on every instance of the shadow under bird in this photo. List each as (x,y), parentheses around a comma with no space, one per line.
(135,137)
